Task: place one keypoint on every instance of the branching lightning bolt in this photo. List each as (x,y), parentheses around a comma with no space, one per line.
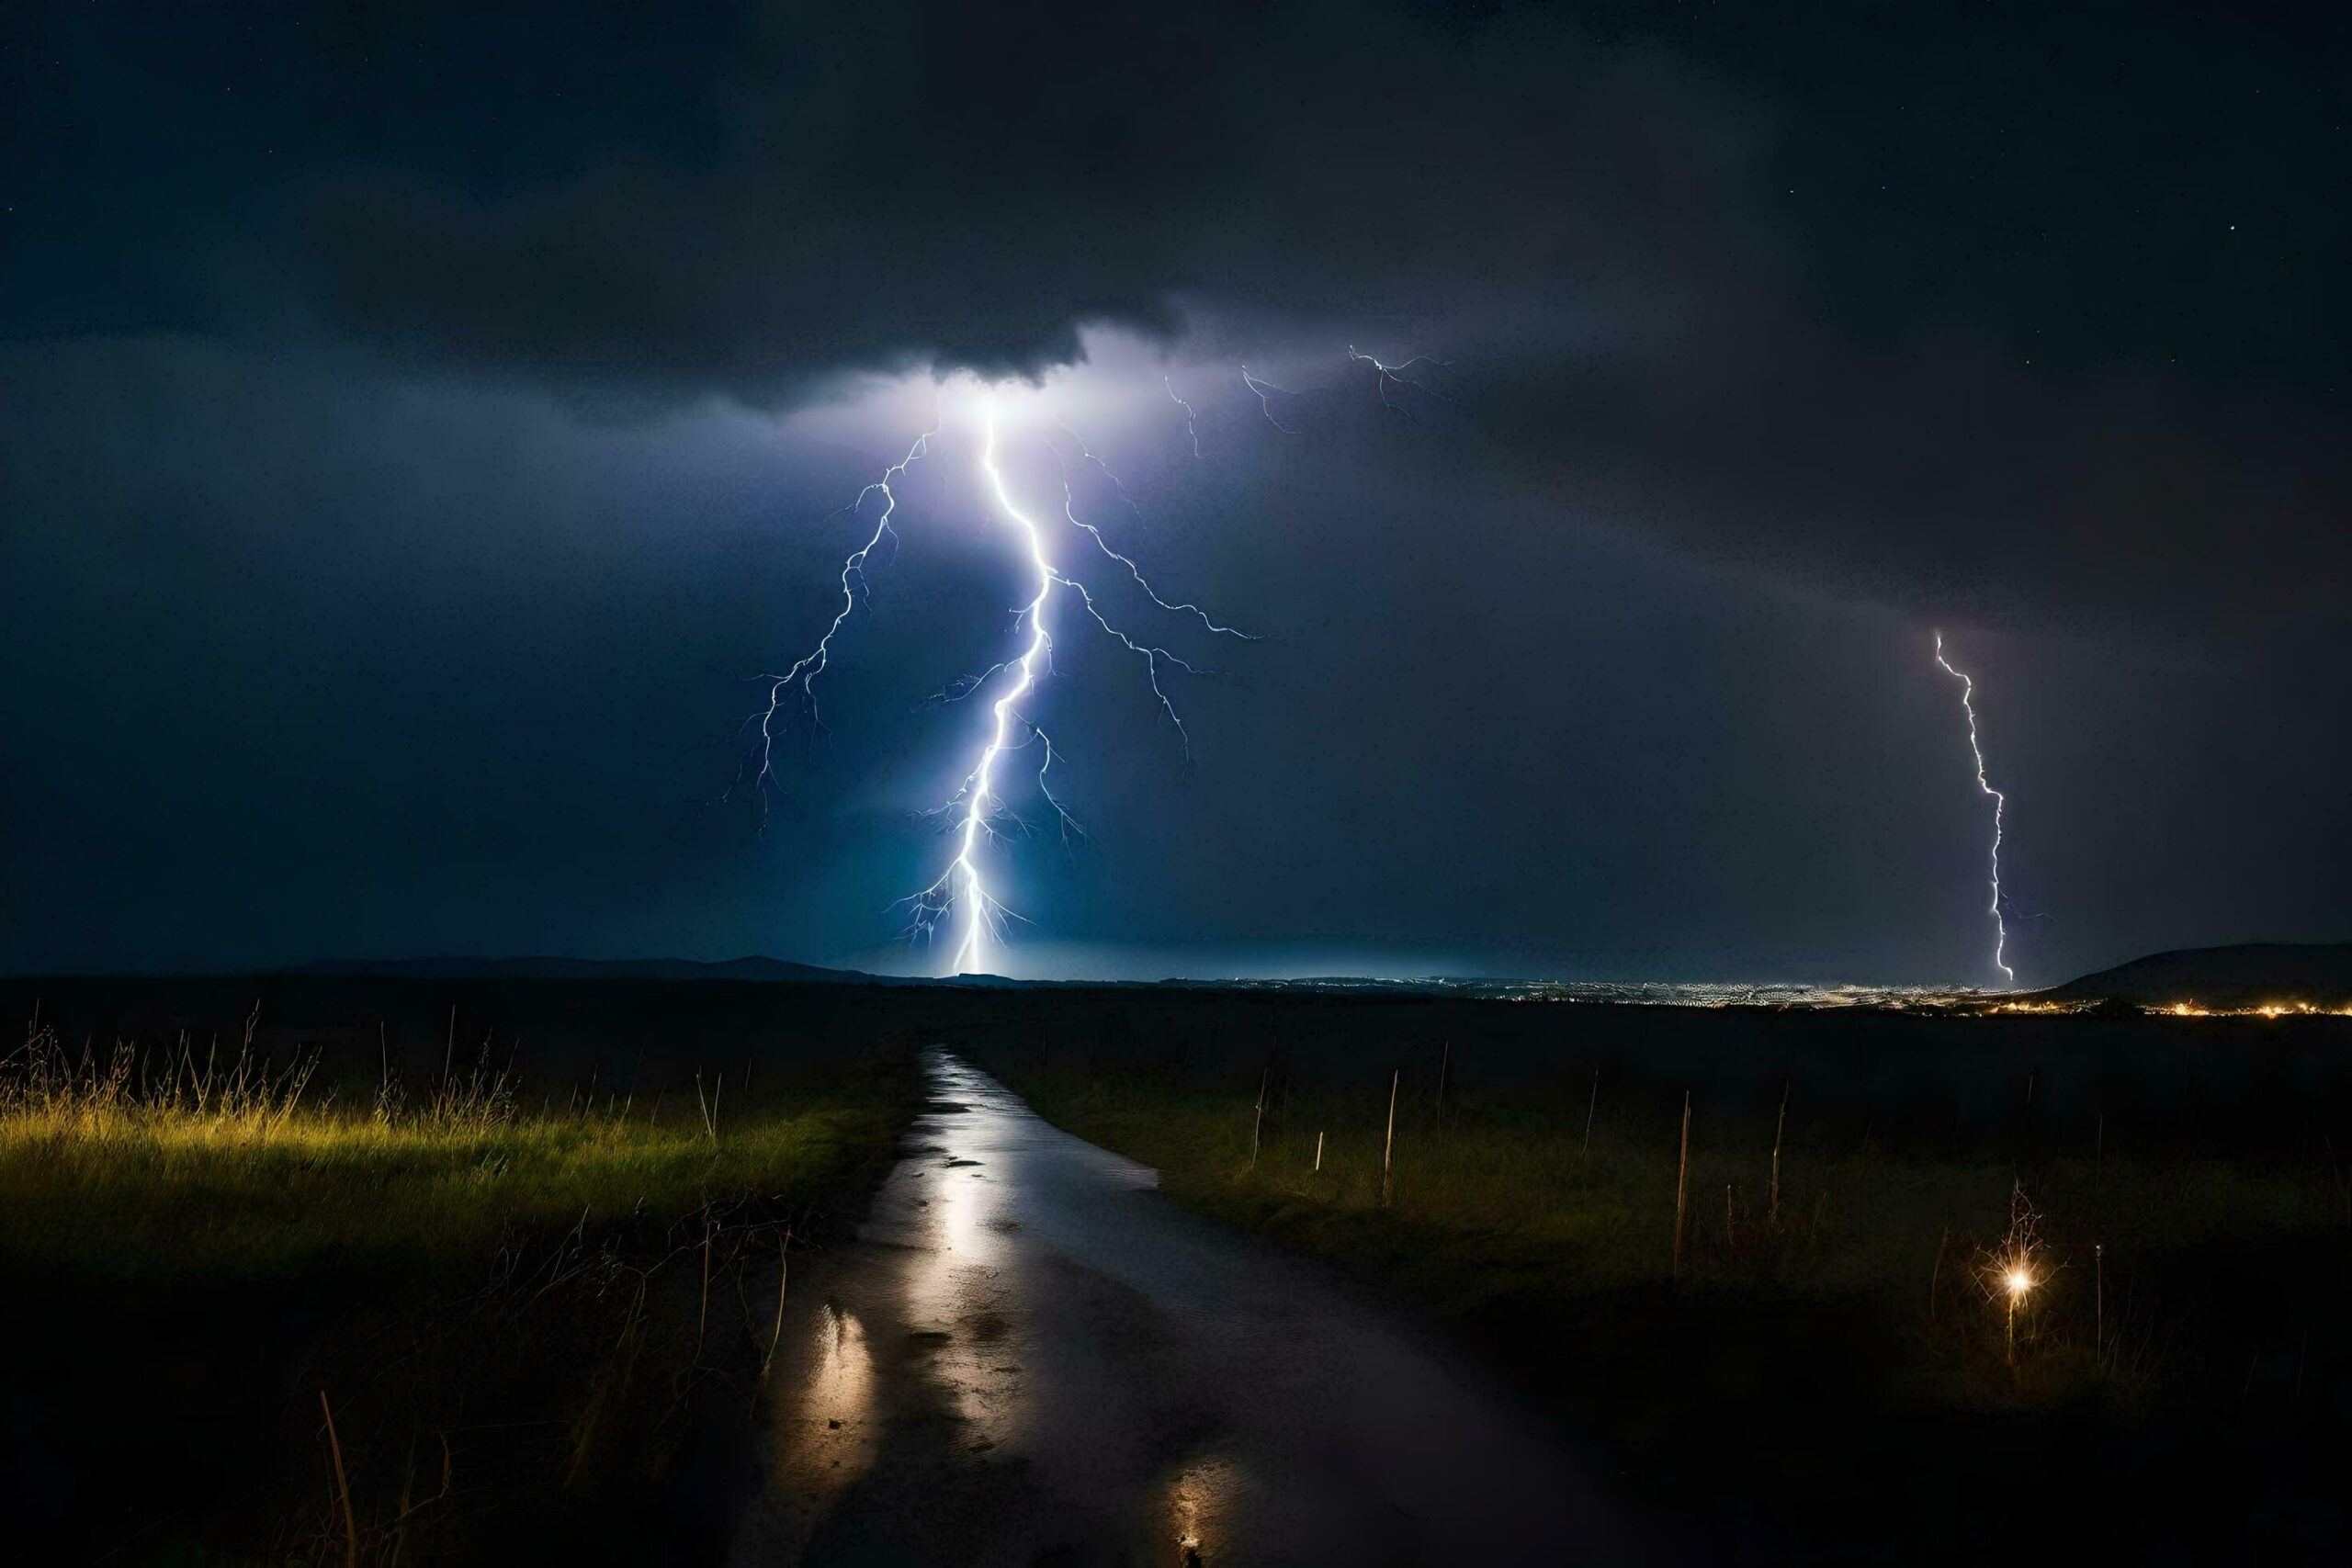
(1151,656)
(960,897)
(1265,406)
(1192,419)
(1086,455)
(1069,511)
(962,885)
(2000,804)
(1398,374)
(960,900)
(756,773)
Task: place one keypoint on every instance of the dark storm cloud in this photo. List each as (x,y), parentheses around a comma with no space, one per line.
(390,499)
(1608,218)
(969,186)
(1650,330)
(1946,482)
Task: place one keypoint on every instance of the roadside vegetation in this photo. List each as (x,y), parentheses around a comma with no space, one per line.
(177,1163)
(1798,1331)
(464,1316)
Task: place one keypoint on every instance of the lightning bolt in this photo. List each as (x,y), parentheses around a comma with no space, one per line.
(960,898)
(755,774)
(964,885)
(1262,386)
(1192,419)
(2000,804)
(1086,455)
(1135,573)
(1398,374)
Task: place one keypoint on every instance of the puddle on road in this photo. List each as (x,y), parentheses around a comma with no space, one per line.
(826,1427)
(1200,1506)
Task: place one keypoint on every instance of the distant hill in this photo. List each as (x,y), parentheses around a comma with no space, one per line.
(2248,975)
(751,968)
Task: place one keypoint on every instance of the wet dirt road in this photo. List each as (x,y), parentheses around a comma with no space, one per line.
(1030,1357)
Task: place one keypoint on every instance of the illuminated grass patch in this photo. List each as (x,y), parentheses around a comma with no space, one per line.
(165,1167)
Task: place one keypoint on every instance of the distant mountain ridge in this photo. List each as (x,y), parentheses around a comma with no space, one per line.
(2246,975)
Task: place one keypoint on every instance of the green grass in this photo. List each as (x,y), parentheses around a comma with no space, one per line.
(1822,1375)
(1504,1209)
(236,1173)
(180,1196)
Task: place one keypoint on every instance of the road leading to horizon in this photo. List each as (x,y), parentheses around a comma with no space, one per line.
(1030,1357)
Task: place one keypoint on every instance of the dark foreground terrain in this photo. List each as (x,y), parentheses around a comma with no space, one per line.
(534,1266)
(1816,1354)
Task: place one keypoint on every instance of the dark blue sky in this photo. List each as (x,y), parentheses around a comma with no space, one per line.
(413,429)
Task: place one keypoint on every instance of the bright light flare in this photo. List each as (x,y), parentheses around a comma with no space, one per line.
(2008,1273)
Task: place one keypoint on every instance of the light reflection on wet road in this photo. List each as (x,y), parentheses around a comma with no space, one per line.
(1030,1357)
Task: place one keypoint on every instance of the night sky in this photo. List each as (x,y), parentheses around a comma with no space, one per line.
(417,420)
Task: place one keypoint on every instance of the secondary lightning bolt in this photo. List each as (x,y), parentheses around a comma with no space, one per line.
(2000,803)
(1070,511)
(756,773)
(1398,374)
(1265,405)
(1086,455)
(1192,419)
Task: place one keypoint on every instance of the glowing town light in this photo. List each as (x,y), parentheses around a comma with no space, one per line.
(2018,1281)
(2263,1009)
(2000,803)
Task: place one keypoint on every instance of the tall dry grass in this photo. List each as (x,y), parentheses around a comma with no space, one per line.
(175,1159)
(1512,1204)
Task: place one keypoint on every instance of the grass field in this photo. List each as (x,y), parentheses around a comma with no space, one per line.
(539,1306)
(178,1168)
(498,1321)
(1493,1201)
(1832,1344)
